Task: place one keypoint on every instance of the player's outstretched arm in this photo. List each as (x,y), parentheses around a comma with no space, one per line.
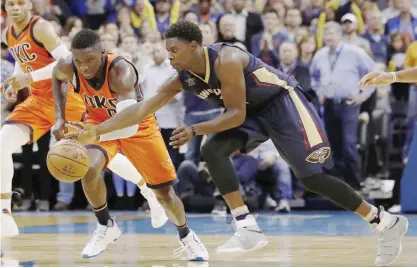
(229,69)
(133,114)
(385,78)
(123,81)
(137,112)
(63,72)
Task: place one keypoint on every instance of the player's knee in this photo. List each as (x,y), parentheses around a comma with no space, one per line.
(216,148)
(12,137)
(211,150)
(315,183)
(166,196)
(93,173)
(206,151)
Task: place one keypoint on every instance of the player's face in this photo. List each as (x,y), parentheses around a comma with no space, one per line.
(18,10)
(88,61)
(180,53)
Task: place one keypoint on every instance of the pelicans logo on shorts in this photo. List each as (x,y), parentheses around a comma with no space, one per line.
(319,156)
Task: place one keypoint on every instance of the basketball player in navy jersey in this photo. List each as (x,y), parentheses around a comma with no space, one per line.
(261,103)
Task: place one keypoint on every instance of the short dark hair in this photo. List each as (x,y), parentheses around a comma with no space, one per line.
(185,30)
(84,39)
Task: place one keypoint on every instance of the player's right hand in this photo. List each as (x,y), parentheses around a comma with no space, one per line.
(84,134)
(59,129)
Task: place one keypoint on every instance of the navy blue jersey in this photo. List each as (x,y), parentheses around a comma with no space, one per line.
(262,81)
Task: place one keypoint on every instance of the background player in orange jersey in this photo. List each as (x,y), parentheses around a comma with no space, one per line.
(108,84)
(36,47)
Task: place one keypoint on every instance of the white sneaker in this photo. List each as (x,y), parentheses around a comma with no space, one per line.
(390,238)
(270,203)
(248,237)
(8,225)
(283,206)
(196,251)
(158,216)
(102,237)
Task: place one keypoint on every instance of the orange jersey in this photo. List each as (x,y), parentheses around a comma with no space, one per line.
(100,101)
(31,55)
(146,149)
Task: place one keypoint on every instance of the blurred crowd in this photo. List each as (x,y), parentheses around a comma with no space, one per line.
(326,45)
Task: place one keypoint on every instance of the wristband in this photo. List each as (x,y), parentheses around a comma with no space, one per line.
(193,130)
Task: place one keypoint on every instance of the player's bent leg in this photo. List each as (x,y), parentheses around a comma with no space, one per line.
(107,231)
(190,243)
(125,169)
(12,136)
(216,151)
(304,146)
(147,151)
(391,228)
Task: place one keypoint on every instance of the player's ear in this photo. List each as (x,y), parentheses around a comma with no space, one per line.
(194,45)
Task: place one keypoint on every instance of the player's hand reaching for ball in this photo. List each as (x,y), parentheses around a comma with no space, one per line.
(377,79)
(59,129)
(181,136)
(84,134)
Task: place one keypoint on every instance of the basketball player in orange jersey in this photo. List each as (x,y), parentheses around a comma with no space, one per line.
(108,84)
(36,47)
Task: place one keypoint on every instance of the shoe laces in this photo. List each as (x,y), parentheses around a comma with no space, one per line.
(178,252)
(98,235)
(188,247)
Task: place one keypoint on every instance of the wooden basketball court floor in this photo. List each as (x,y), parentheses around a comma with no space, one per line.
(296,239)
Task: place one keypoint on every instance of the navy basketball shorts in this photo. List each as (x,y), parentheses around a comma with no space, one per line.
(296,130)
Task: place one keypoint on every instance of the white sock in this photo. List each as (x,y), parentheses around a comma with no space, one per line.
(125,169)
(12,136)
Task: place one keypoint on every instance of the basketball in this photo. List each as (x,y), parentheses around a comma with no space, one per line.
(68,161)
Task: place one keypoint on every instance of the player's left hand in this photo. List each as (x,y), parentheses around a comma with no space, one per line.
(181,136)
(84,134)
